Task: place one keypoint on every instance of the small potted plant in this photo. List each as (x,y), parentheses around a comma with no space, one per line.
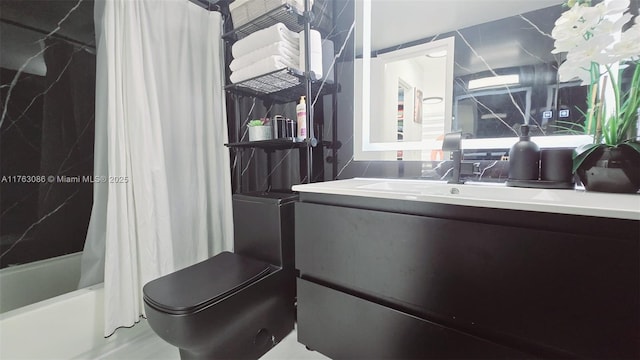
(598,52)
(260,129)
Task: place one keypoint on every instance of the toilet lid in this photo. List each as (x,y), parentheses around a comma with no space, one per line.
(194,287)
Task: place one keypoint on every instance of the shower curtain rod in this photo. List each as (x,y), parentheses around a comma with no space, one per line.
(43,32)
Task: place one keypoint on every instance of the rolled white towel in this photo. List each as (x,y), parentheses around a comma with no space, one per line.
(316,52)
(282,48)
(264,66)
(266,36)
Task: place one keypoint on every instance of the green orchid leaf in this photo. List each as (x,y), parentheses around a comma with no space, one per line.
(581,153)
(633,145)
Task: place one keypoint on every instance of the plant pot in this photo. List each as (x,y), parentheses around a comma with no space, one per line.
(257,133)
(611,169)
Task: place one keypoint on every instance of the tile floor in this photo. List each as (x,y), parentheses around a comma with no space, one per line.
(147,345)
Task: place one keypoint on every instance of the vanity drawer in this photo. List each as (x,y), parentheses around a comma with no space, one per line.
(343,326)
(564,294)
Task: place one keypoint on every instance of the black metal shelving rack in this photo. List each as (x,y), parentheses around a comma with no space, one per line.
(281,86)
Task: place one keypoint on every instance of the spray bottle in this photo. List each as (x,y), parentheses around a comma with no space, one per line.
(301,111)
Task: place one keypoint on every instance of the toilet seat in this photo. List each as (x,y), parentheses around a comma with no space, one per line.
(197,286)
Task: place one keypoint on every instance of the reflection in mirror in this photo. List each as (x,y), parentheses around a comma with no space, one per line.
(503,76)
(492,113)
(408,91)
(403,88)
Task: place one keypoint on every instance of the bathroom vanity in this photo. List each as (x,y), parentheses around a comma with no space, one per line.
(395,268)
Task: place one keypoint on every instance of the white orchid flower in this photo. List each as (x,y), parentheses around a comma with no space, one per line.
(628,48)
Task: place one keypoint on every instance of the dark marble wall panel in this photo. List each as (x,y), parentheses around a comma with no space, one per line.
(488,50)
(47,79)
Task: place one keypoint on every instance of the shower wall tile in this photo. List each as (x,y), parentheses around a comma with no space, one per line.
(47,80)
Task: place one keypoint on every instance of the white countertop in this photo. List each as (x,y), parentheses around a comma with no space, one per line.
(489,195)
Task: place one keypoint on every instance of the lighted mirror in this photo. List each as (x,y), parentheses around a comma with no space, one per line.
(482,67)
(402,110)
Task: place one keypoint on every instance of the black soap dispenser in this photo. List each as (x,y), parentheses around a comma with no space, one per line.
(524,158)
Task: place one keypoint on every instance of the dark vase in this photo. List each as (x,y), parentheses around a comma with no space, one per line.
(611,169)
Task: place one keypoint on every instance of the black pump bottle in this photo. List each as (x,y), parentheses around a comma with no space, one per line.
(524,158)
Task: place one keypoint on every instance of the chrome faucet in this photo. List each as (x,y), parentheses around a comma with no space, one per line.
(452,142)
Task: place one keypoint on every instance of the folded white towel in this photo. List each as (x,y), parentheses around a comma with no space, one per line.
(261,38)
(264,66)
(282,48)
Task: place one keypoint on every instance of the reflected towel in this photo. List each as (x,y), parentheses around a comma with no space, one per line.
(261,38)
(264,66)
(281,48)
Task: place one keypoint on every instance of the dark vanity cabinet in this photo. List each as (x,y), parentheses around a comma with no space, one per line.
(380,278)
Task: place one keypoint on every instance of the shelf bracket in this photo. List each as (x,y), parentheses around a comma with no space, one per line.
(308,16)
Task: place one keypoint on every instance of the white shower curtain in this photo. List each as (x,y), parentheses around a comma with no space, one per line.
(160,129)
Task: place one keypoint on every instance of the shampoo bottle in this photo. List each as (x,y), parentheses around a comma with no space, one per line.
(301,111)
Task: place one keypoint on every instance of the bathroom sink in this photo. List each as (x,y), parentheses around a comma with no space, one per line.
(408,186)
(470,190)
(490,195)
(487,192)
(427,187)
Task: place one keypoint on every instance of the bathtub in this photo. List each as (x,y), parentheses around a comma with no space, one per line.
(39,280)
(44,315)
(68,326)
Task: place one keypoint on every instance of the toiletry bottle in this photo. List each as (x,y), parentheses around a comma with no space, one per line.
(524,158)
(301,111)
